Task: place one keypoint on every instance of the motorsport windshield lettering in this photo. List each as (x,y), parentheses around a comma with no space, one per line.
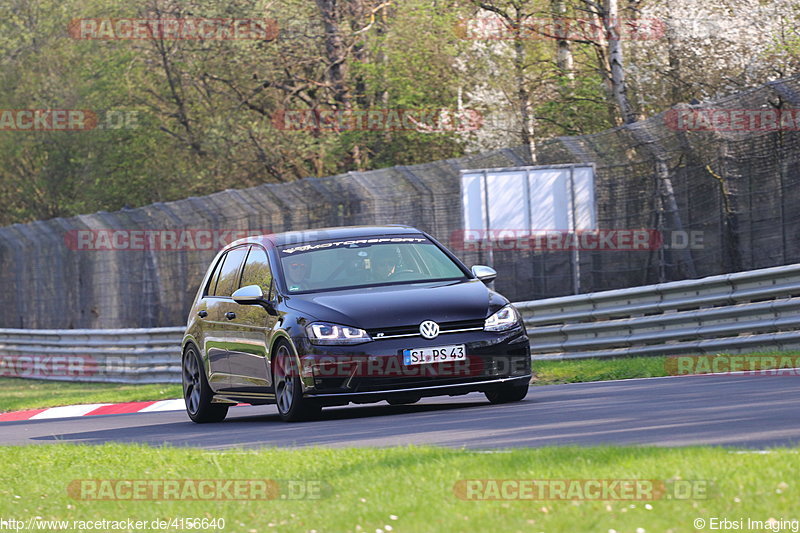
(351,242)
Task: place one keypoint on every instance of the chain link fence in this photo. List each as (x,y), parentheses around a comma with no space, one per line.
(735,188)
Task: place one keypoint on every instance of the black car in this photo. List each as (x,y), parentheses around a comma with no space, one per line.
(354,314)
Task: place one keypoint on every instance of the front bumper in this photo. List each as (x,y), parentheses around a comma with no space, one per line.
(452,389)
(373,371)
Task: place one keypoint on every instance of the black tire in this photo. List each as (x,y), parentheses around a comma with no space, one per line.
(507,393)
(292,406)
(197,393)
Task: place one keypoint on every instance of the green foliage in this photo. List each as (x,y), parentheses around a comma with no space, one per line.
(190,117)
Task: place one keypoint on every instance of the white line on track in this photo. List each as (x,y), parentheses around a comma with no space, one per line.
(68,411)
(165,405)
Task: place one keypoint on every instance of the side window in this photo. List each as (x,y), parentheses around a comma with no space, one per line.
(229,274)
(257,271)
(212,282)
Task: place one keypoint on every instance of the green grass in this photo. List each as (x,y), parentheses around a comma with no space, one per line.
(18,393)
(567,371)
(570,371)
(366,488)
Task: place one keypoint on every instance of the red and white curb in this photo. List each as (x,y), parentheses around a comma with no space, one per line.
(93,409)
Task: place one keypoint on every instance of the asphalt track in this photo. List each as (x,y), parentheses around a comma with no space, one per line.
(742,411)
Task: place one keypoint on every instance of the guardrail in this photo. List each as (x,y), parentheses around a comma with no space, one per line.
(730,313)
(106,355)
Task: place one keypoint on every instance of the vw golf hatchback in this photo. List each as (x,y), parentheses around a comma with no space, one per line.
(354,314)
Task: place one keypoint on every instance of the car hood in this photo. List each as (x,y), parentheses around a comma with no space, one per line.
(400,305)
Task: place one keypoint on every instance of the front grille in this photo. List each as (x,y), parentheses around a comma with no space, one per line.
(413,330)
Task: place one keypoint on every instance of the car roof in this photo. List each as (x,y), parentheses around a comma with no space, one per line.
(324,234)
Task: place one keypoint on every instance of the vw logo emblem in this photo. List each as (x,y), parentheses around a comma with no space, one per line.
(429,329)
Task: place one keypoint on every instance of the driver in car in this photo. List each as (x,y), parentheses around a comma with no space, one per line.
(384,262)
(297,273)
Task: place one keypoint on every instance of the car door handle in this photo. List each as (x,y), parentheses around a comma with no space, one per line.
(230,315)
(202,314)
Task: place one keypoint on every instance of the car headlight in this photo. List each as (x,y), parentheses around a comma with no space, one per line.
(505,318)
(325,333)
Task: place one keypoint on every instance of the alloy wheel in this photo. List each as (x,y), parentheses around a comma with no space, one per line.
(191,381)
(284,379)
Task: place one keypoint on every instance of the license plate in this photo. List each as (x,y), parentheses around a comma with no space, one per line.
(434,354)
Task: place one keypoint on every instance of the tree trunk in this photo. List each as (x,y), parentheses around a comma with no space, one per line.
(616,61)
(564,59)
(336,52)
(516,22)
(523,94)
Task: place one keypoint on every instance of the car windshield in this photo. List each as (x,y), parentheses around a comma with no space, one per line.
(362,262)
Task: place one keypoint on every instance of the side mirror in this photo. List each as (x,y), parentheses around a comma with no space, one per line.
(253,295)
(484,273)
